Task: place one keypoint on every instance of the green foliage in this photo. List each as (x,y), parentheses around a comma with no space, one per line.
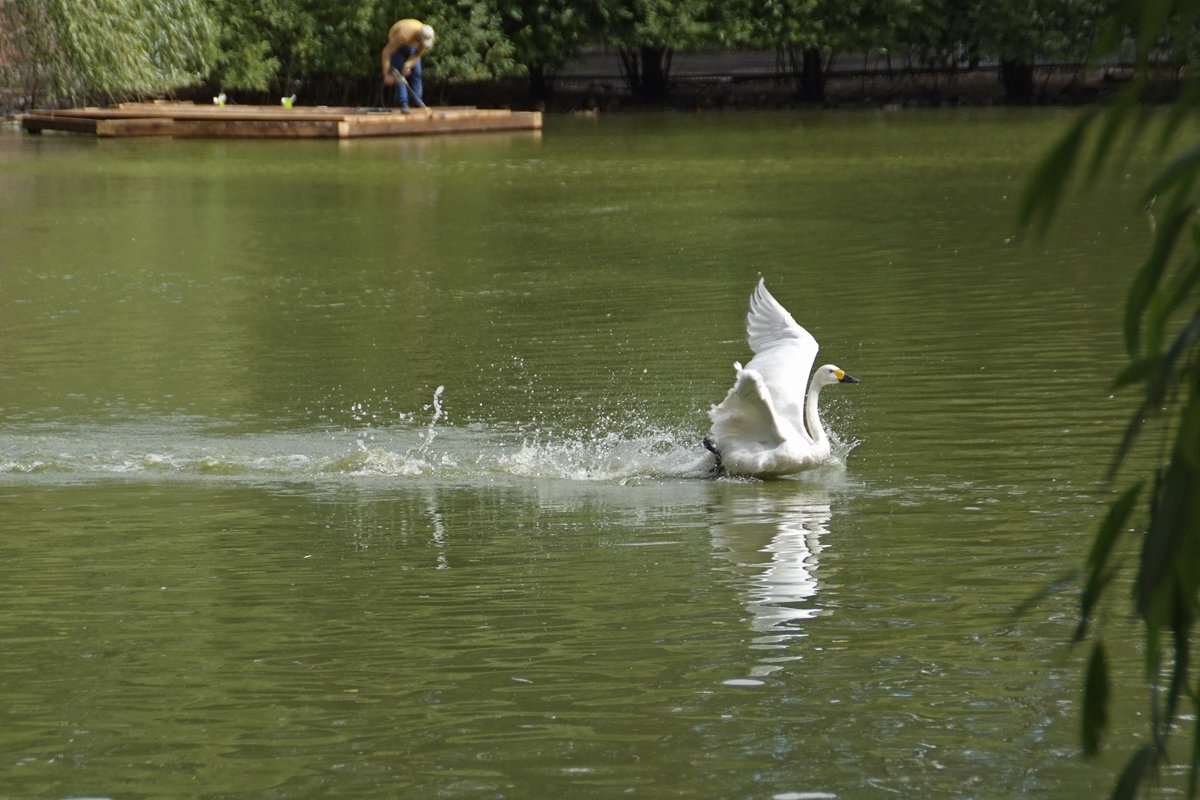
(1162,340)
(547,33)
(826,25)
(785,23)
(951,34)
(647,32)
(671,24)
(114,48)
(1024,30)
(277,44)
(941,34)
(248,42)
(809,32)
(471,44)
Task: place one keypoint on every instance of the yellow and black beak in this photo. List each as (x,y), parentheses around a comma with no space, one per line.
(844,378)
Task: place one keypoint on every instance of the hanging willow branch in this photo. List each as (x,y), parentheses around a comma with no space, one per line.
(1162,338)
(113,48)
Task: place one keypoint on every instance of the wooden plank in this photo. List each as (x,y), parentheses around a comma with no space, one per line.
(264,113)
(215,113)
(263,129)
(220,128)
(192,120)
(106,128)
(362,125)
(36,123)
(157,108)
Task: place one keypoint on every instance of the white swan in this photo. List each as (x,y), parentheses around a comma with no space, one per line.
(766,425)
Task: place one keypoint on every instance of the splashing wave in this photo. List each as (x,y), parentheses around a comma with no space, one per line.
(426,445)
(170,448)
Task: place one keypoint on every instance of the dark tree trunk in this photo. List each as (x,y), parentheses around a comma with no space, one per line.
(539,84)
(656,73)
(648,72)
(1017,77)
(633,71)
(812,77)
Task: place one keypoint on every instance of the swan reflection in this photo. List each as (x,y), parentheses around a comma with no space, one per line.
(774,540)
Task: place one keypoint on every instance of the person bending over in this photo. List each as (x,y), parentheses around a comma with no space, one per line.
(408,40)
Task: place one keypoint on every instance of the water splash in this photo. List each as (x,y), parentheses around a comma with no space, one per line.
(655,453)
(622,449)
(414,446)
(437,414)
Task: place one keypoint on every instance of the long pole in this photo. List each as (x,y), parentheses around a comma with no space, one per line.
(398,75)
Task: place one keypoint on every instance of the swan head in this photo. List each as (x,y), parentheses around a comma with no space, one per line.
(829,374)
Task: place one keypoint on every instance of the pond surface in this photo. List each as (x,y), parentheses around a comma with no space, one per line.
(368,469)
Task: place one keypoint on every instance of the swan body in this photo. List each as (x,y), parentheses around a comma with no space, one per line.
(768,425)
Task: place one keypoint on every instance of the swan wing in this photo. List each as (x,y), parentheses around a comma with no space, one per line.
(746,417)
(784,354)
(769,325)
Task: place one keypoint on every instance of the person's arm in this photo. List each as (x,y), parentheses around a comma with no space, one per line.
(414,58)
(389,49)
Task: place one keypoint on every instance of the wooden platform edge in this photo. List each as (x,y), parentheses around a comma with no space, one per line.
(182,120)
(218,128)
(35,122)
(361,126)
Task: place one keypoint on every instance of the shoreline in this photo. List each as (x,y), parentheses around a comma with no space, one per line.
(598,94)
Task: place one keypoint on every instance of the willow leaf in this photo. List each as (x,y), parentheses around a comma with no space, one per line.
(1179,176)
(1148,278)
(1116,119)
(1194,772)
(1095,700)
(1138,767)
(1115,522)
(1044,190)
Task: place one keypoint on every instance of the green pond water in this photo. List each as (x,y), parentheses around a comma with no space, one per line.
(368,469)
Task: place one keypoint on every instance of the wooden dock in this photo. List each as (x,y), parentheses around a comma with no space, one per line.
(190,120)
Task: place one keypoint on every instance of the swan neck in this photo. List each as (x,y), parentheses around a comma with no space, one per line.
(812,417)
